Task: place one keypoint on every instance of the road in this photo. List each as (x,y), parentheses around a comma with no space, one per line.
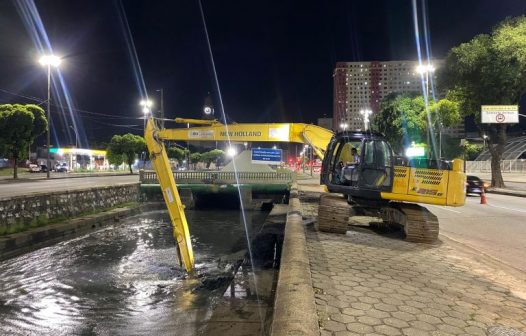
(26,187)
(497,229)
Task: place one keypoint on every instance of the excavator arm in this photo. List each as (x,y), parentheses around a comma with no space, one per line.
(212,130)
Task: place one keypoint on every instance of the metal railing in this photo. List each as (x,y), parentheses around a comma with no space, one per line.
(218,177)
(506,166)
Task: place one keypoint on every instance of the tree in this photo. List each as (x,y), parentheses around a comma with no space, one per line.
(403,118)
(215,155)
(488,70)
(114,159)
(128,145)
(177,153)
(195,157)
(19,126)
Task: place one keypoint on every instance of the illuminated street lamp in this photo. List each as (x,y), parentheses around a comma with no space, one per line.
(231,151)
(425,70)
(146,109)
(366,113)
(344,126)
(484,137)
(49,61)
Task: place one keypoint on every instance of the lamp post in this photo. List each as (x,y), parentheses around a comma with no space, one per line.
(424,70)
(49,61)
(344,126)
(162,106)
(366,113)
(484,137)
(146,109)
(76,136)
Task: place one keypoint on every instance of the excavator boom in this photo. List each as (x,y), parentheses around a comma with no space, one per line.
(212,130)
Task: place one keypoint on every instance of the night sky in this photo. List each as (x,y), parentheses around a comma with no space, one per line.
(274,59)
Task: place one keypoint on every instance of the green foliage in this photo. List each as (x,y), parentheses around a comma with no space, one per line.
(127,145)
(472,150)
(403,118)
(19,126)
(113,158)
(195,157)
(176,153)
(215,155)
(488,70)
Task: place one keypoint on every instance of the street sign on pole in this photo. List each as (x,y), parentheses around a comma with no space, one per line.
(266,156)
(499,114)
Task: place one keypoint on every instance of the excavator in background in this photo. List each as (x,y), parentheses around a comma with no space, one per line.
(359,165)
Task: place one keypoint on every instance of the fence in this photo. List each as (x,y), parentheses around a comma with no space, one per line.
(507,166)
(208,177)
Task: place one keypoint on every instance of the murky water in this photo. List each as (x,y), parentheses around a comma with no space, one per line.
(124,279)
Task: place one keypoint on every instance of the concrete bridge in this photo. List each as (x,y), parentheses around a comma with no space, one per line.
(220,177)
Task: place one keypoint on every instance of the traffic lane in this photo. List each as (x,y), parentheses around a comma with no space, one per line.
(58,185)
(497,228)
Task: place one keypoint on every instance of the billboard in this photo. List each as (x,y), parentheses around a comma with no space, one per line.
(499,114)
(266,156)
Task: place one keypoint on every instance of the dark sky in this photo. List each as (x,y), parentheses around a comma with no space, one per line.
(274,59)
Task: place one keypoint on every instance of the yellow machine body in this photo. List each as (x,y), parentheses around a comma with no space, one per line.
(429,186)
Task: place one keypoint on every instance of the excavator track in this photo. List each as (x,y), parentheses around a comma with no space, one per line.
(333,214)
(418,223)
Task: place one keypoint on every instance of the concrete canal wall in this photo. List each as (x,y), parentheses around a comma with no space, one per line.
(294,305)
(42,208)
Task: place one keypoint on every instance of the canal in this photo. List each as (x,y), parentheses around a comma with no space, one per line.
(125,280)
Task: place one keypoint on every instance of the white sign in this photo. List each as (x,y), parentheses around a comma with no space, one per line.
(500,114)
(201,134)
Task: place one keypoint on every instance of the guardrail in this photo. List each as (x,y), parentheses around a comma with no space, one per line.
(218,177)
(506,166)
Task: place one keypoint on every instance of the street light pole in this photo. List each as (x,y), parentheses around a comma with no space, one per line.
(48,135)
(162,106)
(48,61)
(76,137)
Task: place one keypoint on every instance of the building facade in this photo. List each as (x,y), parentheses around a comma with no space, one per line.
(360,86)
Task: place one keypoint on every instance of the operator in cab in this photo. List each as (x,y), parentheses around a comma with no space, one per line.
(349,172)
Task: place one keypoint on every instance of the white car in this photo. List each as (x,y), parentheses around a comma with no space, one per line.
(33,168)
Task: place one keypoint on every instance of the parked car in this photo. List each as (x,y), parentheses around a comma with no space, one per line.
(475,185)
(43,168)
(34,168)
(61,167)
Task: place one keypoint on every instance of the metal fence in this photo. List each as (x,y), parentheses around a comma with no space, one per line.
(210,177)
(507,166)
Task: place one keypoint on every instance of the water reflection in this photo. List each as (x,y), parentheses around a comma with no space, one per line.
(123,280)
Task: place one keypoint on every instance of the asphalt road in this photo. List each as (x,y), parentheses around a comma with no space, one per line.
(497,229)
(26,187)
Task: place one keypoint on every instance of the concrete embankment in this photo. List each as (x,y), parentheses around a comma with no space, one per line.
(20,212)
(17,243)
(294,307)
(40,219)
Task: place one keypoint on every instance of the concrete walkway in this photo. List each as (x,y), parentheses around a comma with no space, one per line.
(366,283)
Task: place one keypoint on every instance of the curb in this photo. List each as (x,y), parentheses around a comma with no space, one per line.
(27,241)
(507,192)
(294,306)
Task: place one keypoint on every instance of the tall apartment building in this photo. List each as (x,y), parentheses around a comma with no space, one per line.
(362,85)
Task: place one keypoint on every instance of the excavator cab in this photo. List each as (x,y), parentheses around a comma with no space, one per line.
(358,164)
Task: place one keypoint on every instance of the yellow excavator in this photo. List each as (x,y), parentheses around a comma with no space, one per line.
(359,165)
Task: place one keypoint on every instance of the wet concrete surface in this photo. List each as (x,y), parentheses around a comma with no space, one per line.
(125,280)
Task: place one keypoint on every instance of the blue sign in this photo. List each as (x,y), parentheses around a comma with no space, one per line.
(266,156)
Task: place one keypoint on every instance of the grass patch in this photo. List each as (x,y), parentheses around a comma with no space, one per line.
(42,220)
(9,171)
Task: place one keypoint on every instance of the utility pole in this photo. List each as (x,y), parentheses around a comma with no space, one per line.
(162,106)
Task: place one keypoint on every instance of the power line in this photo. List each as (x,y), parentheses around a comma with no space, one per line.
(41,101)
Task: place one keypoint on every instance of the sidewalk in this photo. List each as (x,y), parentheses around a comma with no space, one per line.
(371,284)
(27,177)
